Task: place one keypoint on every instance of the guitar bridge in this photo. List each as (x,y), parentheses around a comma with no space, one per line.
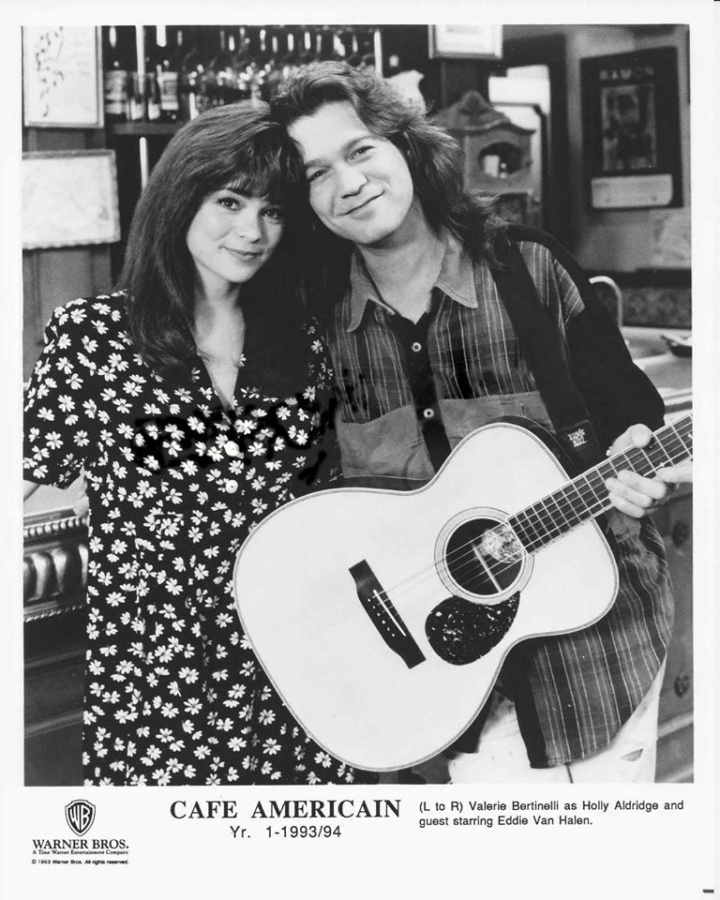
(384,615)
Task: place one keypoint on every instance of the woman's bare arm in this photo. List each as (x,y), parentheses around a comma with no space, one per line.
(29,488)
(80,503)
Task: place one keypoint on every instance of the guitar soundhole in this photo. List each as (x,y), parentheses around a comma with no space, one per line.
(481,559)
(461,632)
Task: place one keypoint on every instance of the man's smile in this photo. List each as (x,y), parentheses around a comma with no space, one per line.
(360,206)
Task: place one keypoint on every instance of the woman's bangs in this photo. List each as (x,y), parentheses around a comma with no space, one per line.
(263,175)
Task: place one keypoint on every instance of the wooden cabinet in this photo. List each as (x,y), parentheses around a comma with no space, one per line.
(55,578)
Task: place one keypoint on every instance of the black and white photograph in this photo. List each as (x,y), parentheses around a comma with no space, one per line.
(632,127)
(354,368)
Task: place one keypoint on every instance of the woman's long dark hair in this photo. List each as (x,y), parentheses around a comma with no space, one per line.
(435,159)
(238,145)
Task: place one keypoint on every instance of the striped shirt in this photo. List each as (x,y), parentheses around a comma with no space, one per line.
(408,393)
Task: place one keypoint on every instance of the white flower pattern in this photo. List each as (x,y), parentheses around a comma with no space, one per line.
(174,692)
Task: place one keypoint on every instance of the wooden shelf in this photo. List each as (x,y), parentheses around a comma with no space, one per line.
(145,129)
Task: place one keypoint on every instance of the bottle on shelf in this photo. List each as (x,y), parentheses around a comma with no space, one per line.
(192,74)
(261,57)
(325,43)
(154,40)
(273,66)
(339,50)
(167,74)
(116,79)
(291,59)
(368,59)
(307,50)
(243,65)
(222,81)
(253,71)
(354,57)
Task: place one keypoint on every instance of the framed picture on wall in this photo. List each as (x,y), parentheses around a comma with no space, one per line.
(62,77)
(631,129)
(465,41)
(69,199)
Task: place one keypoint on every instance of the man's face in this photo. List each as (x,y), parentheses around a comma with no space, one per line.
(360,185)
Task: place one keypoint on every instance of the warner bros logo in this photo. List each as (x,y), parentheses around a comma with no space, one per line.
(80,814)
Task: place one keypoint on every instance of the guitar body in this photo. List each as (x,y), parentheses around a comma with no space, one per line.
(378,622)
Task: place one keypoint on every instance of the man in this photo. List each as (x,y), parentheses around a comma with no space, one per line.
(425,352)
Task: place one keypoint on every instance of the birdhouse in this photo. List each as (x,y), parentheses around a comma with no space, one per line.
(497,151)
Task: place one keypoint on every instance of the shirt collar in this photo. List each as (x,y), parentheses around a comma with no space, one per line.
(456,279)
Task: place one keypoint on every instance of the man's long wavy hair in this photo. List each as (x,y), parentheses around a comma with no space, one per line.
(435,159)
(238,145)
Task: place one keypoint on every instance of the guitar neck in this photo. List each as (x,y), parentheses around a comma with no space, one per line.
(586,496)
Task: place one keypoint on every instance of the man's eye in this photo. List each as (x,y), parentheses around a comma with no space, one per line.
(361,150)
(315,175)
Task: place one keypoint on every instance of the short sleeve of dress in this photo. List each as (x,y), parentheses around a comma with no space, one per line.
(61,419)
(323,468)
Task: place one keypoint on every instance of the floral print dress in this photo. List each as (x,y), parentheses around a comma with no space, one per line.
(173,693)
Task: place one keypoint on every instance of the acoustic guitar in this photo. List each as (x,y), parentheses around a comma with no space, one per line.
(383,618)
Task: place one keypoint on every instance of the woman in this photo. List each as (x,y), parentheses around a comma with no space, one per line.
(190,399)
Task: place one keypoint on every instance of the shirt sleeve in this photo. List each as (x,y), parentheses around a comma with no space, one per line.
(617,393)
(61,423)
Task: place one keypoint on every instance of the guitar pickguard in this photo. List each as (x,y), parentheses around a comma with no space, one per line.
(461,632)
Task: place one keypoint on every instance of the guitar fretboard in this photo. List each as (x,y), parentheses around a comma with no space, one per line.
(586,496)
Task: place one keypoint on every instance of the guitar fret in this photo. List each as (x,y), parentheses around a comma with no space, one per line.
(658,446)
(600,493)
(560,509)
(549,527)
(687,445)
(586,496)
(529,533)
(539,527)
(583,487)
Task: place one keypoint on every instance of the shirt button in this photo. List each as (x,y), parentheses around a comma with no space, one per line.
(428,413)
(232,449)
(416,347)
(231,485)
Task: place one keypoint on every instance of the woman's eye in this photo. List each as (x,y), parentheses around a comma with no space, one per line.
(361,150)
(276,213)
(228,202)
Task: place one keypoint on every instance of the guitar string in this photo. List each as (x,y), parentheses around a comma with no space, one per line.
(542,537)
(537,538)
(464,558)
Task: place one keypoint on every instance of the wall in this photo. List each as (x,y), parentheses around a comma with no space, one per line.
(55,276)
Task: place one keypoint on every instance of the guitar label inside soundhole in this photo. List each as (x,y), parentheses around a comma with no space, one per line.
(501,544)
(483,558)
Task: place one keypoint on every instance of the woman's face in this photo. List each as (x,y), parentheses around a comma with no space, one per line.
(232,236)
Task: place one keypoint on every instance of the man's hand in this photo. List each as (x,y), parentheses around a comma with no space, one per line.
(677,474)
(631,493)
